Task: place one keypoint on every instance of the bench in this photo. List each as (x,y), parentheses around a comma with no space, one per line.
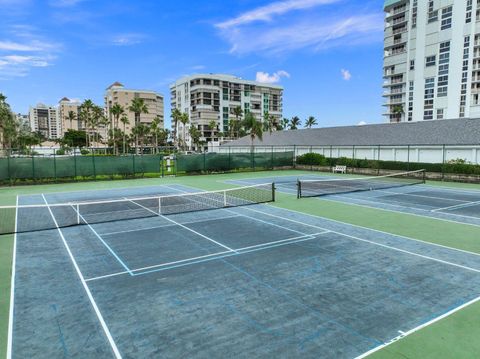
(339,169)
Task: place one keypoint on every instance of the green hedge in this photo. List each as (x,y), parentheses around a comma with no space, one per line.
(316,159)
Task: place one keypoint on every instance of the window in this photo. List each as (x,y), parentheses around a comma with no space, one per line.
(442,80)
(442,91)
(432,14)
(430,61)
(428,115)
(446,18)
(440,114)
(412,64)
(443,69)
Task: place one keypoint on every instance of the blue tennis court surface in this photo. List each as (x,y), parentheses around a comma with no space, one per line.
(253,281)
(459,205)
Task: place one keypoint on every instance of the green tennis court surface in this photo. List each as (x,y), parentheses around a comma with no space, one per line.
(296,277)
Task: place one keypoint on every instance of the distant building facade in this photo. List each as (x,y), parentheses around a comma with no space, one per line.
(65,108)
(118,94)
(432,59)
(44,119)
(213,97)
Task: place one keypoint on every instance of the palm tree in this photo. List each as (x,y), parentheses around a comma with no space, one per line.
(125,122)
(155,128)
(253,127)
(86,114)
(295,122)
(117,111)
(284,124)
(268,122)
(71,116)
(398,112)
(98,120)
(176,114)
(311,121)
(140,131)
(212,125)
(238,113)
(138,107)
(195,135)
(184,120)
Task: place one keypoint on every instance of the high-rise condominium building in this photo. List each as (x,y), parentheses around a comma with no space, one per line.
(44,120)
(432,59)
(68,115)
(118,94)
(211,97)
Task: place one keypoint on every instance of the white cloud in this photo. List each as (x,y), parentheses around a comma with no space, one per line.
(266,13)
(361,123)
(128,39)
(346,75)
(198,67)
(265,77)
(25,49)
(310,33)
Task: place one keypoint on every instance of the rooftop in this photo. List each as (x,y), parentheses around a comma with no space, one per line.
(224,77)
(437,132)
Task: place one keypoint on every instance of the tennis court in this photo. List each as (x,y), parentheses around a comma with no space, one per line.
(387,193)
(167,271)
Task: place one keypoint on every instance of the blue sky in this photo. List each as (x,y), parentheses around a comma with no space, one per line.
(326,53)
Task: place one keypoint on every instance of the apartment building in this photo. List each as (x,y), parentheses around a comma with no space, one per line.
(44,119)
(432,59)
(213,97)
(65,107)
(118,94)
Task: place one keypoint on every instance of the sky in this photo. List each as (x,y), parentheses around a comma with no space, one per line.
(327,54)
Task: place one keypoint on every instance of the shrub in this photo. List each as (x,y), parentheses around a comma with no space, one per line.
(60,152)
(312,159)
(84,152)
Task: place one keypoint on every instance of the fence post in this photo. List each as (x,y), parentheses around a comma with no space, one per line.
(94,168)
(229,158)
(443,162)
(75,163)
(204,161)
(133,165)
(55,165)
(331,160)
(8,167)
(33,167)
(161,165)
(271,159)
(253,158)
(378,160)
(408,158)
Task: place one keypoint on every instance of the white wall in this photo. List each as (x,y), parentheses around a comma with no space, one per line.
(428,154)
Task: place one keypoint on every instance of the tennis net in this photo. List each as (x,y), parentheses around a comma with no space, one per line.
(29,218)
(315,188)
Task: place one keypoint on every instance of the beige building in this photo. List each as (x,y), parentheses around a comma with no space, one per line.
(118,94)
(65,106)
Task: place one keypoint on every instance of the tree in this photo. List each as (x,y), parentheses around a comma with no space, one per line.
(238,113)
(71,116)
(195,135)
(212,125)
(138,107)
(74,138)
(253,127)
(117,111)
(86,115)
(283,125)
(155,130)
(295,123)
(140,131)
(268,122)
(184,120)
(311,121)
(398,112)
(8,124)
(176,114)
(124,120)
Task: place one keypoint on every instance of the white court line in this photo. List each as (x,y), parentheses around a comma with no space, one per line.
(401,206)
(249,217)
(379,231)
(185,227)
(12,287)
(452,189)
(463,205)
(422,195)
(240,251)
(372,242)
(416,329)
(103,241)
(85,286)
(166,225)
